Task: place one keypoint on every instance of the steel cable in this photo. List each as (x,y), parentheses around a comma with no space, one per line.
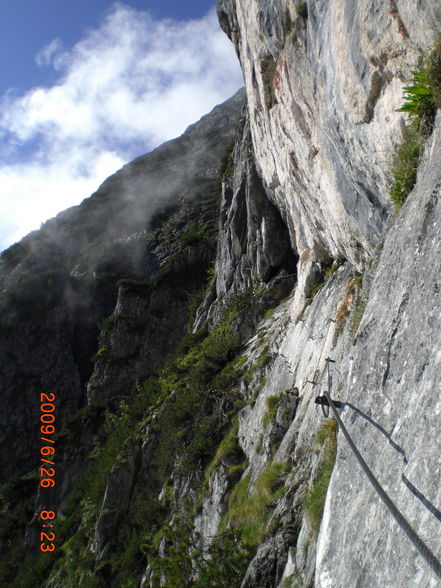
(419,544)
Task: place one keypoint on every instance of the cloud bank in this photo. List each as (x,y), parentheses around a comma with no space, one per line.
(125,88)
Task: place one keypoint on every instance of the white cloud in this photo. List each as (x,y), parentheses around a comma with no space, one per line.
(125,88)
(47,55)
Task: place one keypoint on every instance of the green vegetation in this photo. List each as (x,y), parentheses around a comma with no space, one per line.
(422,98)
(358,315)
(405,165)
(292,582)
(226,563)
(227,164)
(433,73)
(326,438)
(100,354)
(17,505)
(272,403)
(230,453)
(230,374)
(208,364)
(248,514)
(180,402)
(111,321)
(223,564)
(235,471)
(120,428)
(419,99)
(355,302)
(269,313)
(188,237)
(264,358)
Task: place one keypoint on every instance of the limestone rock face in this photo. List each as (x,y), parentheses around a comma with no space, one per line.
(254,247)
(322,85)
(393,385)
(323,82)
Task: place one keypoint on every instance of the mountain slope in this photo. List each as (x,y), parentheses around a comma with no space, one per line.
(198,456)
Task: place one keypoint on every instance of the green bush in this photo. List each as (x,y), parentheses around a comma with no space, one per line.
(226,563)
(222,564)
(423,95)
(419,100)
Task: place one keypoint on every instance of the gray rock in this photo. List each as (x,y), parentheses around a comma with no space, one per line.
(393,385)
(322,139)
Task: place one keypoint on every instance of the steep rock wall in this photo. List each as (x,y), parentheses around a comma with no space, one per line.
(393,382)
(322,85)
(216,459)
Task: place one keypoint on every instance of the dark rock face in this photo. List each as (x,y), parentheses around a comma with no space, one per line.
(150,316)
(254,240)
(60,282)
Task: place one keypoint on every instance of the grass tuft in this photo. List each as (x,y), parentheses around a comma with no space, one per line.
(248,514)
(314,502)
(405,165)
(272,403)
(358,315)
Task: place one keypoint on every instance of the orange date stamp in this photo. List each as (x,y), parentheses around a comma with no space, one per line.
(47,469)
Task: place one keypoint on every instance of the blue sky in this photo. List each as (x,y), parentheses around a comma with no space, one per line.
(87,86)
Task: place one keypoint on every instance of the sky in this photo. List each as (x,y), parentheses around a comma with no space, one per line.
(87,86)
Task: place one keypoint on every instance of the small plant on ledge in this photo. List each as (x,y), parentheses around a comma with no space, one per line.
(422,99)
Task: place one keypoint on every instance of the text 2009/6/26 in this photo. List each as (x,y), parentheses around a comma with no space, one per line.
(47,467)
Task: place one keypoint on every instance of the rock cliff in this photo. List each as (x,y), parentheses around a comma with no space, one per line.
(191,451)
